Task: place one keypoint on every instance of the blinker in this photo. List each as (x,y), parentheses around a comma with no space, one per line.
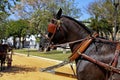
(51,27)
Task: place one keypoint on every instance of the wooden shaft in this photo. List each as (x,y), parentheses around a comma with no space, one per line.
(101,64)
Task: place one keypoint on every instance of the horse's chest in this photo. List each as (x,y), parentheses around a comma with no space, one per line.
(90,71)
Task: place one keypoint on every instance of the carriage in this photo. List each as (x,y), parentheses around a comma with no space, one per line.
(5,56)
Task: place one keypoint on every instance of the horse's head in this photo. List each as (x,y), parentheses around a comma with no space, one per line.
(56,32)
(64,29)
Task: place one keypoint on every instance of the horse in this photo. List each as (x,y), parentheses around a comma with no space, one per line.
(64,29)
(4,48)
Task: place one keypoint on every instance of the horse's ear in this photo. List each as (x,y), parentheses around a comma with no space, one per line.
(58,15)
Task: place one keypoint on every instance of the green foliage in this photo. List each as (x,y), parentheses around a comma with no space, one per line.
(5,11)
(3,16)
(17,28)
(37,39)
(70,8)
(41,11)
(102,12)
(39,20)
(6,5)
(3,31)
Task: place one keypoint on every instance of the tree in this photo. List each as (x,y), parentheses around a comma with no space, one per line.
(30,8)
(2,25)
(39,12)
(6,6)
(70,8)
(5,11)
(17,29)
(104,10)
(39,20)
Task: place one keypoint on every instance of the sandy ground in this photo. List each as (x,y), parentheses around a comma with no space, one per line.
(28,68)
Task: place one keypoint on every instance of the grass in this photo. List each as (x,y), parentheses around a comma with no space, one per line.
(54,54)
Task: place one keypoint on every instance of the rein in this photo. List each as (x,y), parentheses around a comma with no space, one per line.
(71,42)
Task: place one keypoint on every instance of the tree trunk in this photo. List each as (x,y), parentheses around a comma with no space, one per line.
(14,42)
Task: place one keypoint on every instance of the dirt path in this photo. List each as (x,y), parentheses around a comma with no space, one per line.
(28,68)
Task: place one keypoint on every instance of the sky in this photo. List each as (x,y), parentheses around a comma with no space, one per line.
(82,4)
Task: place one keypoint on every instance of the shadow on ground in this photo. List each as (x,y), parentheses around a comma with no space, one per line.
(65,74)
(18,69)
(59,73)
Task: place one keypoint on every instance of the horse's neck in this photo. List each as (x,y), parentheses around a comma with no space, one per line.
(73,46)
(76,35)
(75,31)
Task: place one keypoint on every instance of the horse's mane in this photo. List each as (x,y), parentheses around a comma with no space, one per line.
(80,23)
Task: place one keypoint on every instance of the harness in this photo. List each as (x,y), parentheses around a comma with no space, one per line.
(79,51)
(82,47)
(110,68)
(53,26)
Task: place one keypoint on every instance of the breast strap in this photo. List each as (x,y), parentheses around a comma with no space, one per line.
(82,47)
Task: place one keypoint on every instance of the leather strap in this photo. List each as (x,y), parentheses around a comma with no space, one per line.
(112,67)
(114,61)
(116,56)
(82,47)
(99,63)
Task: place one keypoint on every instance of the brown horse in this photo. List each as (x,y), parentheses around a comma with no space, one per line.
(64,29)
(4,48)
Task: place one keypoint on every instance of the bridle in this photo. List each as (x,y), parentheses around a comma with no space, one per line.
(53,26)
